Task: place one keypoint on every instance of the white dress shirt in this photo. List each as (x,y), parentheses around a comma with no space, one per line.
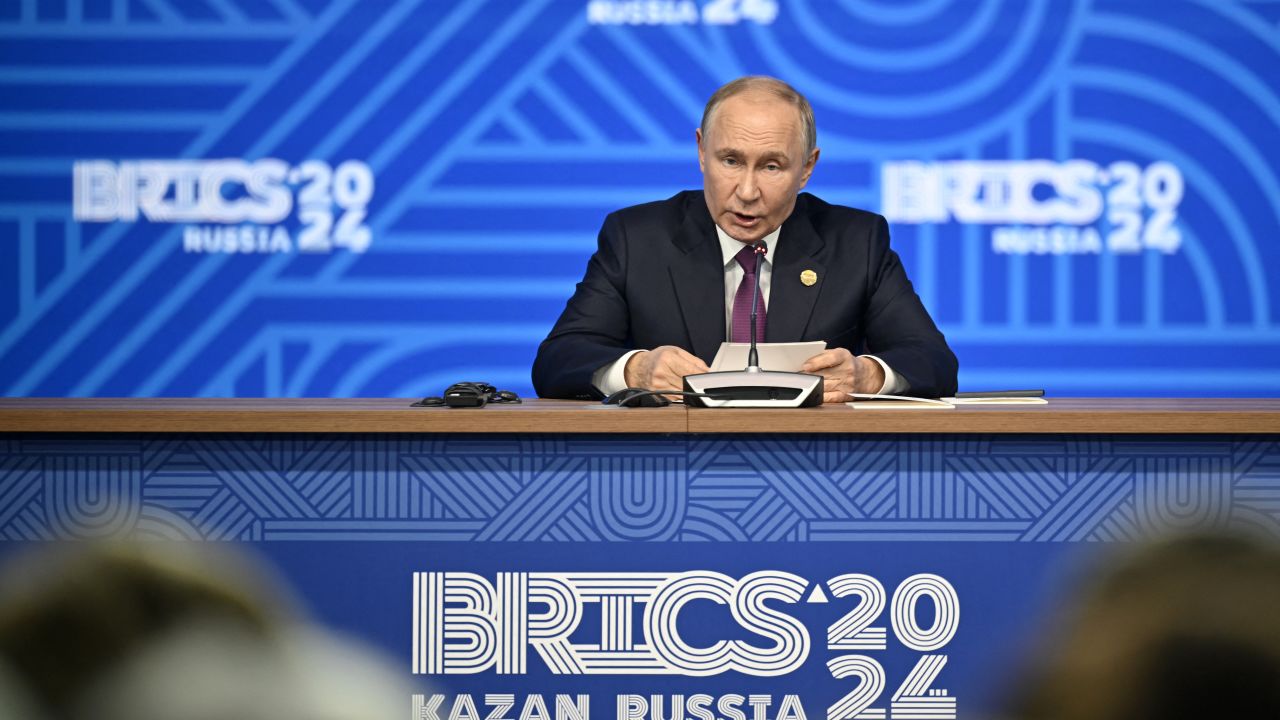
(611,378)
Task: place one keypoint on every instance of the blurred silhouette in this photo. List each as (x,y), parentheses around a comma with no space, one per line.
(1185,628)
(175,632)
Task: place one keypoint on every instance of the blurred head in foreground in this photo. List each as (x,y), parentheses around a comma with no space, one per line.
(1187,628)
(173,631)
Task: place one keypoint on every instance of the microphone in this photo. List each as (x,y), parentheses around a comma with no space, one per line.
(753,387)
(753,360)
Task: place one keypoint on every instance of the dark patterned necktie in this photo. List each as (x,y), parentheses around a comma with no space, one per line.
(746,257)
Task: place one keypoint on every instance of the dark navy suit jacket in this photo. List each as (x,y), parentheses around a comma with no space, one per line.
(657,278)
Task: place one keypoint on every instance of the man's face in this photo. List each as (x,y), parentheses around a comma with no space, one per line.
(753,164)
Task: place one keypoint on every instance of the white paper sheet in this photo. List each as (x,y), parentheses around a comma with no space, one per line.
(780,357)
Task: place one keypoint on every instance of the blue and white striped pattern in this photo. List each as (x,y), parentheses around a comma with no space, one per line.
(688,489)
(501,133)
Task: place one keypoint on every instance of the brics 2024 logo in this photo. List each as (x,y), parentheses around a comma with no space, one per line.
(683,624)
(233,205)
(1043,207)
(680,12)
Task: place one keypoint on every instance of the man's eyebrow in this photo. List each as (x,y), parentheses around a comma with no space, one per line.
(768,155)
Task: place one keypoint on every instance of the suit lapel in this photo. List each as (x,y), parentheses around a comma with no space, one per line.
(791,302)
(698,277)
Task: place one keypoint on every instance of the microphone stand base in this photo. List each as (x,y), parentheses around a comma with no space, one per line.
(754,389)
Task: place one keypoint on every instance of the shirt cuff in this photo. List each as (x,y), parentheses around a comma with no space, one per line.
(611,378)
(893,383)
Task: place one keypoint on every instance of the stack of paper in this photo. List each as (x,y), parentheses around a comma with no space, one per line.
(778,357)
(997,401)
(865,401)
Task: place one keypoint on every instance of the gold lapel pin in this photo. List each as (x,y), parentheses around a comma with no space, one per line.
(809,278)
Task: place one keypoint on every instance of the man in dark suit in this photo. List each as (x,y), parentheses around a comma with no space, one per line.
(666,285)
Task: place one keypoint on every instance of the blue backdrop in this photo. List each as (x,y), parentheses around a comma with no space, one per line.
(1012,524)
(342,198)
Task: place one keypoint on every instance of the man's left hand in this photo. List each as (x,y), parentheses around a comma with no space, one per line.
(843,373)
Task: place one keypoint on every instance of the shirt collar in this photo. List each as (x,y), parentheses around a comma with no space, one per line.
(729,248)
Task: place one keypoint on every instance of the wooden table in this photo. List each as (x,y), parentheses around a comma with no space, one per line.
(349,498)
(1129,416)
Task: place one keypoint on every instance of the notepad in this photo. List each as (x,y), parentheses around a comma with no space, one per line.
(867,401)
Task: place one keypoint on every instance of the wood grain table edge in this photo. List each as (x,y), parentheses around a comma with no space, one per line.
(1115,416)
(1076,416)
(327,416)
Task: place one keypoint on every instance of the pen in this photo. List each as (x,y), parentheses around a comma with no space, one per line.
(1000,393)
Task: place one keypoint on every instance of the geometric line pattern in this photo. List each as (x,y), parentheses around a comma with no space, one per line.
(500,134)
(522,488)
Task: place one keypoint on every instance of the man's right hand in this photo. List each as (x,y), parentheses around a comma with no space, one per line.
(662,368)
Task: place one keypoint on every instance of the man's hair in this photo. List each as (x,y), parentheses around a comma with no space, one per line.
(775,87)
(1185,628)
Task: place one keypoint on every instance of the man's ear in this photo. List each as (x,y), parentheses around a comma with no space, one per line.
(697,136)
(808,167)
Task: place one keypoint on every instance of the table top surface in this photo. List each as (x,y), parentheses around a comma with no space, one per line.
(382,415)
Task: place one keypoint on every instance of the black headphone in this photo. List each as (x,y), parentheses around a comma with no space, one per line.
(469,394)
